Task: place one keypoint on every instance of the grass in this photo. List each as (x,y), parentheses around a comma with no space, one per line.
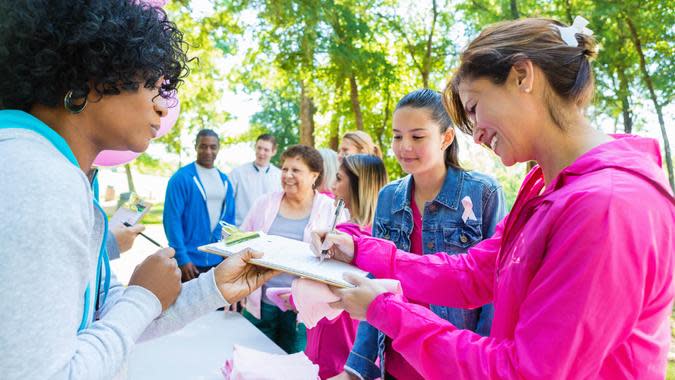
(154,216)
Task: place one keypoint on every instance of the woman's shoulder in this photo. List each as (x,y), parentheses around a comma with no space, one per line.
(37,176)
(32,160)
(396,185)
(323,200)
(267,199)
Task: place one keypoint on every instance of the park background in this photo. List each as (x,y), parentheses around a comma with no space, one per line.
(308,71)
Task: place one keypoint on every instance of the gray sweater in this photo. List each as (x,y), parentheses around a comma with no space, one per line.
(50,236)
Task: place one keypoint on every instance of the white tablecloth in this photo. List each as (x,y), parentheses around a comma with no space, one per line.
(198,351)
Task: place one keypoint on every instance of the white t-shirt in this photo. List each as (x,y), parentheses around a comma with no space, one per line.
(214,188)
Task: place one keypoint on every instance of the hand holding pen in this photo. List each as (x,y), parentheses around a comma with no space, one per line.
(338,245)
(126,224)
(338,211)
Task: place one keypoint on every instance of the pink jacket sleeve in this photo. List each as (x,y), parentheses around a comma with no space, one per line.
(462,281)
(581,306)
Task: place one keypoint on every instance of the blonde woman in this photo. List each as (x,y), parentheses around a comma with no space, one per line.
(358,182)
(357,142)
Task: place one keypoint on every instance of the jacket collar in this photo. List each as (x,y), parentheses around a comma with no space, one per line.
(448,196)
(24,120)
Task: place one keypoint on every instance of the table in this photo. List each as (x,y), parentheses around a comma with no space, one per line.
(199,350)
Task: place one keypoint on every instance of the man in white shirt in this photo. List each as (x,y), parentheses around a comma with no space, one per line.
(254,179)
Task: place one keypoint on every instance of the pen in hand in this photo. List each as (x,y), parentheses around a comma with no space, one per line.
(338,210)
(126,224)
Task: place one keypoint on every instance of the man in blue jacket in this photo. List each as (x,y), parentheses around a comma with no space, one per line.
(197,198)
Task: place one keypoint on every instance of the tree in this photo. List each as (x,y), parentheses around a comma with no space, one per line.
(652,93)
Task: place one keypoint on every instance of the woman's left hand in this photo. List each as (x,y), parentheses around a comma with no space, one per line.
(357,300)
(236,278)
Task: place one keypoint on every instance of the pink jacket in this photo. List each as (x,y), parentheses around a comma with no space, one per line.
(581,278)
(262,214)
(329,343)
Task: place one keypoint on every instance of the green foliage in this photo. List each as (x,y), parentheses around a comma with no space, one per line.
(279,118)
(355,58)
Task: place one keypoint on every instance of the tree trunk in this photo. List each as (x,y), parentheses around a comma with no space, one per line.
(307,110)
(427,61)
(625,102)
(334,140)
(130,179)
(514,10)
(652,94)
(356,105)
(385,122)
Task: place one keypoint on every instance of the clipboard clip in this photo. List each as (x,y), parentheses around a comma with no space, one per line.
(230,234)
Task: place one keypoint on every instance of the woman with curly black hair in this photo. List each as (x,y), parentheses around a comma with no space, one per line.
(80,77)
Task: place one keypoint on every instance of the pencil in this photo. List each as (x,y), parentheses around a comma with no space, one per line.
(145,236)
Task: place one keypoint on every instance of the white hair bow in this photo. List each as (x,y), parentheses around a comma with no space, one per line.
(567,33)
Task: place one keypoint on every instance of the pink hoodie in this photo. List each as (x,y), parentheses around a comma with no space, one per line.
(581,278)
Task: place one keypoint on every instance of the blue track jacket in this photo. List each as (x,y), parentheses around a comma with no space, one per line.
(186,217)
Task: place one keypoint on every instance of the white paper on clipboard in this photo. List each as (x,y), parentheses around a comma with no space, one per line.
(290,256)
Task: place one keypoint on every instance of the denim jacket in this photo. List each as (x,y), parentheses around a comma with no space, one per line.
(443,229)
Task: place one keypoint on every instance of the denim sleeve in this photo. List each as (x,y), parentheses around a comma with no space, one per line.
(494,210)
(484,324)
(361,360)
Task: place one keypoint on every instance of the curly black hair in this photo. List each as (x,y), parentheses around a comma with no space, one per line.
(50,47)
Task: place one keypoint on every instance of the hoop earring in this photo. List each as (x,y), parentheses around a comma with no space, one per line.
(73,108)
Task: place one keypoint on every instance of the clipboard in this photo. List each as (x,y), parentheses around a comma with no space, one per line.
(289,256)
(130,212)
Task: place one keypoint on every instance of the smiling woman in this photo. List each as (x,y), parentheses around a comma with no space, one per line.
(293,213)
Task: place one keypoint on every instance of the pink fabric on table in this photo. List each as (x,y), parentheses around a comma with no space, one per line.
(312,299)
(581,277)
(250,364)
